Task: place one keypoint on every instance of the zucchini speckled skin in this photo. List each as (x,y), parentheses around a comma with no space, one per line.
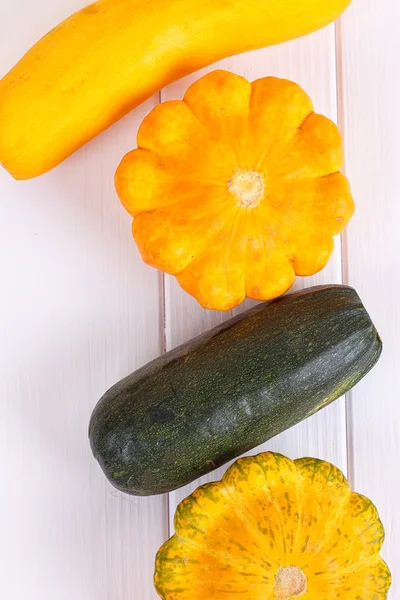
(231,389)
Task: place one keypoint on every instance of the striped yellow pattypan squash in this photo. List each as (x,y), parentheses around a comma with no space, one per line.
(275,529)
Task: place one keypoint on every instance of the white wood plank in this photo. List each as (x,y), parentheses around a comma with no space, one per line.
(311,62)
(78,311)
(370,115)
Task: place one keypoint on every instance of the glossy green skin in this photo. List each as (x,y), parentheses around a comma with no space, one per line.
(231,389)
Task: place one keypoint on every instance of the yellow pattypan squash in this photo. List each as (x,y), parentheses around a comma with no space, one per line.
(236,189)
(275,529)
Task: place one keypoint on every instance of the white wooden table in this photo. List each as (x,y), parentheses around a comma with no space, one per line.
(79,311)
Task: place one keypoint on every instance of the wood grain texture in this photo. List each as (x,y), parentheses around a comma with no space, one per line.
(311,62)
(79,310)
(370,100)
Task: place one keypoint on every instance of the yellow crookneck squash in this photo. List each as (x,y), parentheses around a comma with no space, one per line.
(237,189)
(107,58)
(275,529)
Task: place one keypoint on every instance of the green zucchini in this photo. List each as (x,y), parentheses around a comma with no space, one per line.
(231,389)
